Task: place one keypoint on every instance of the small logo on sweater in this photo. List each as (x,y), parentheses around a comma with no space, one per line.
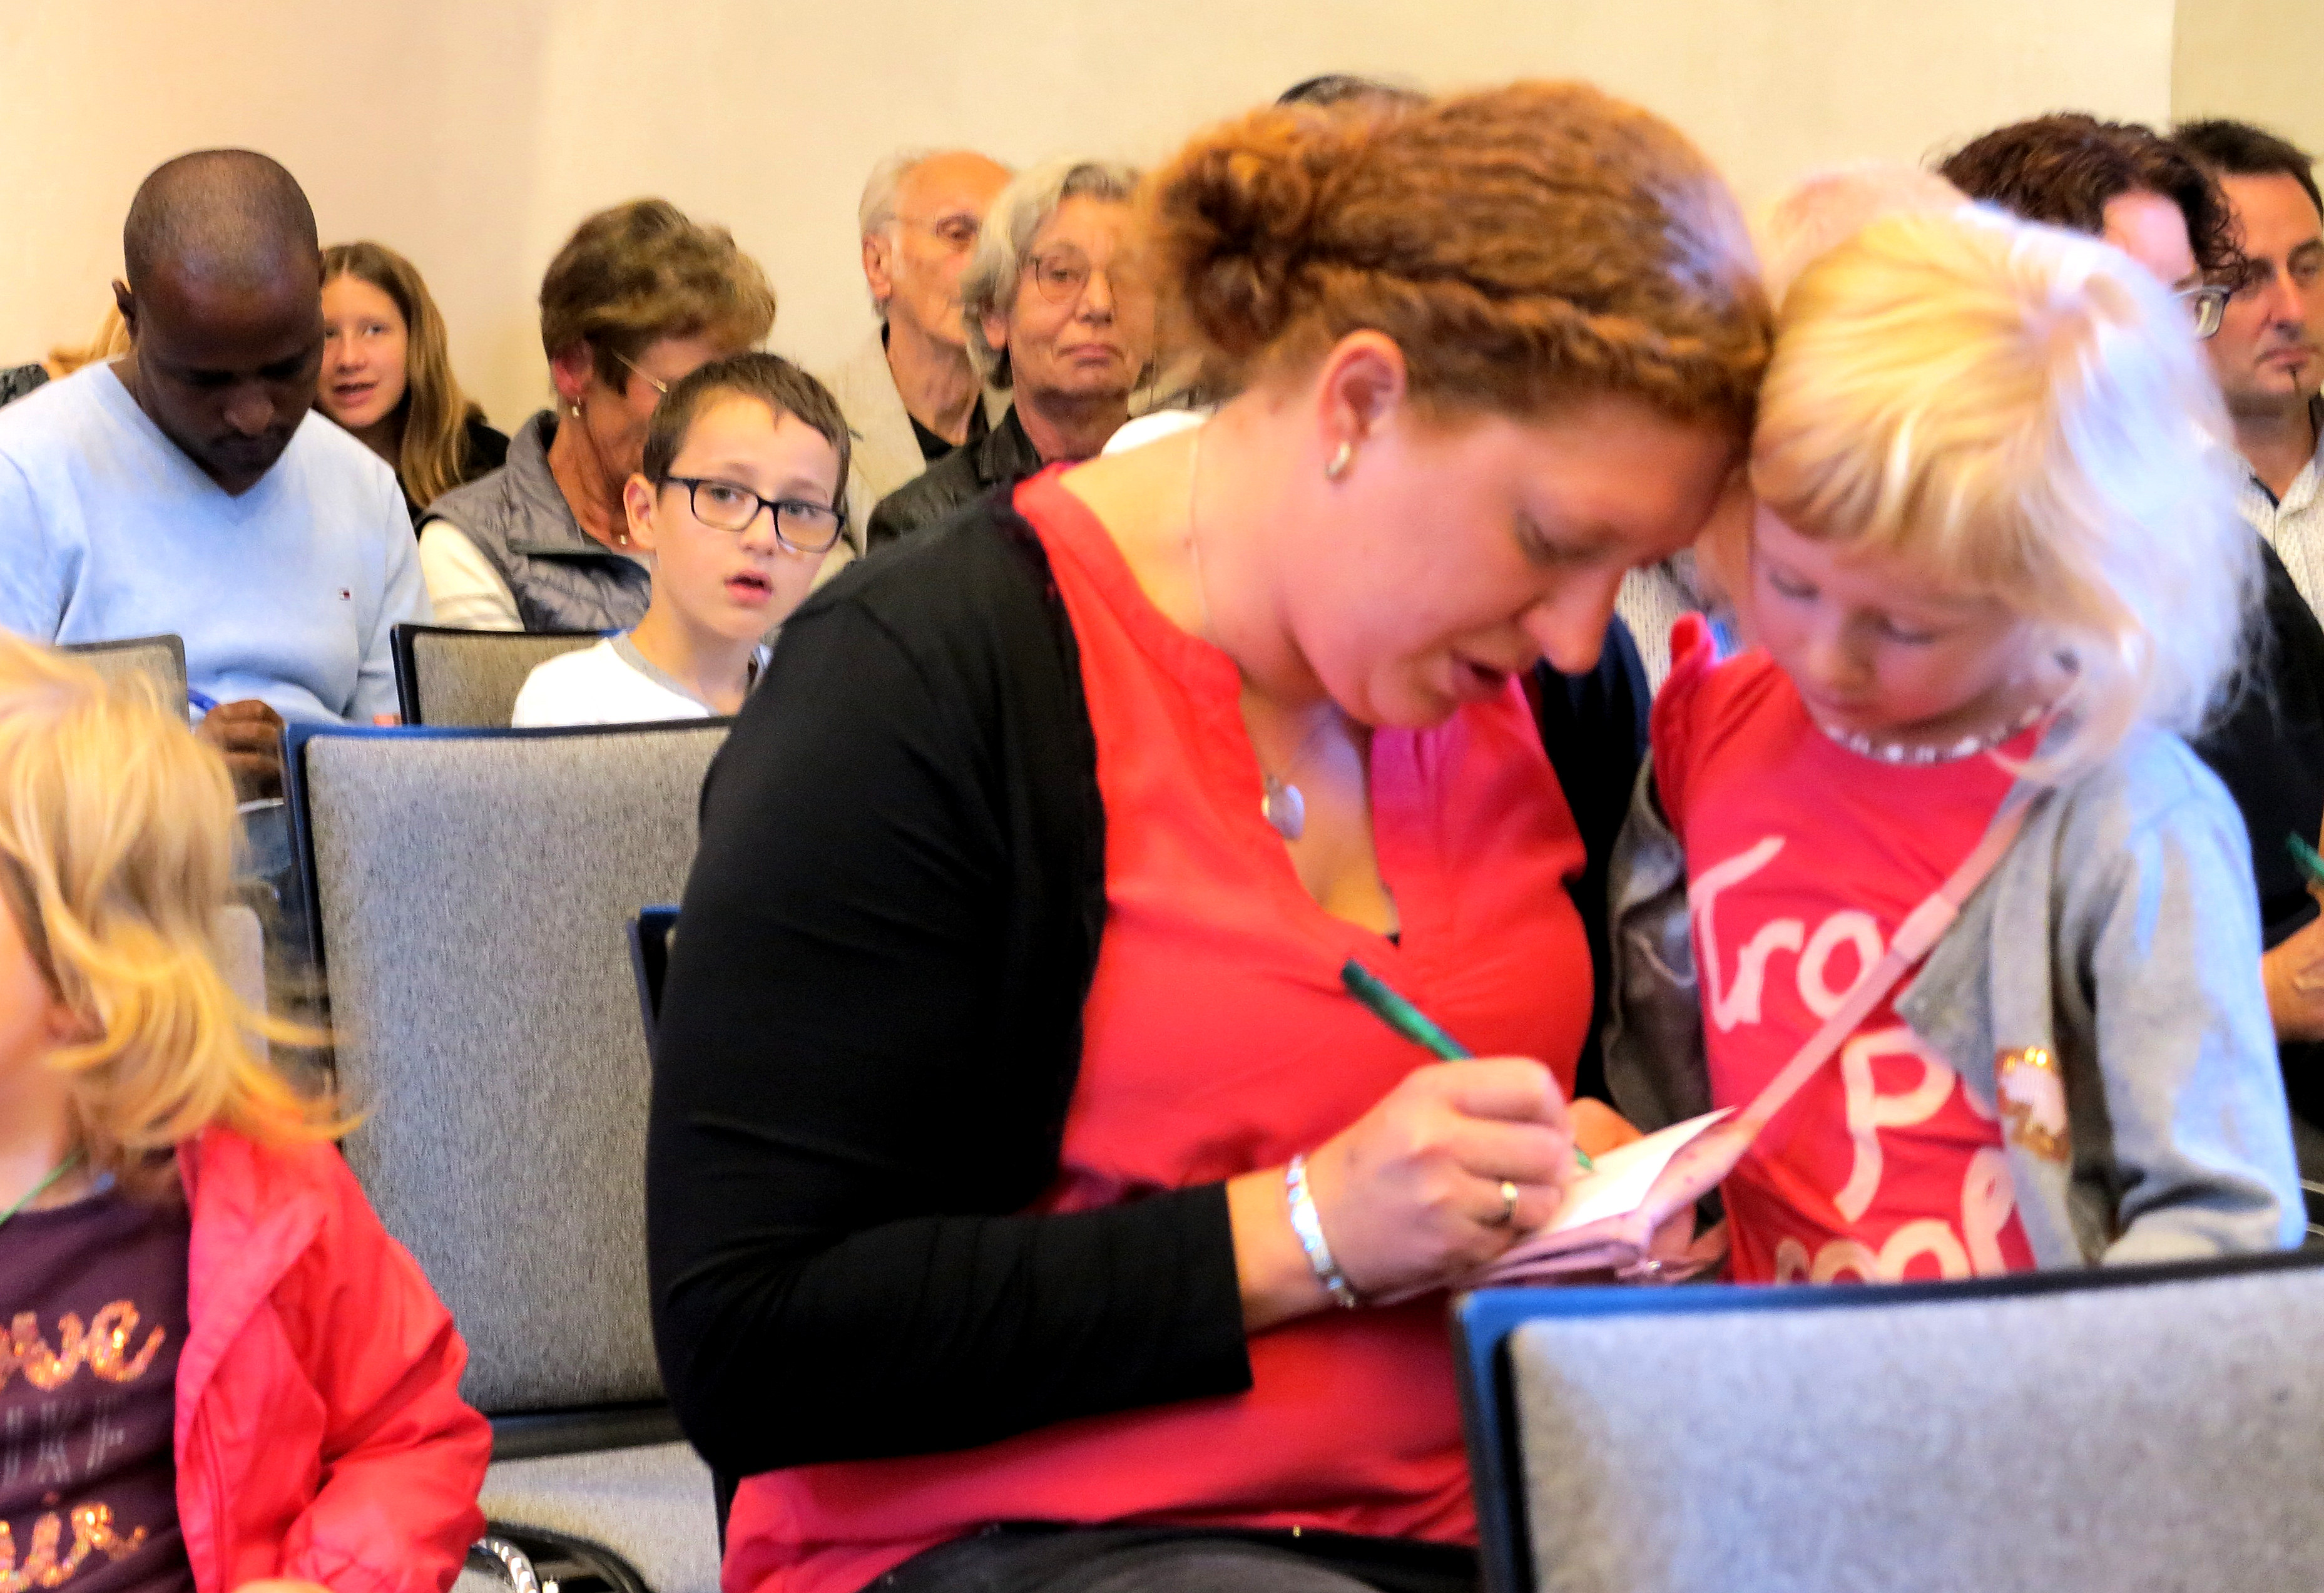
(345,596)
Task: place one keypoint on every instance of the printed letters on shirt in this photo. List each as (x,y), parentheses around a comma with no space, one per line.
(73,1437)
(1848,943)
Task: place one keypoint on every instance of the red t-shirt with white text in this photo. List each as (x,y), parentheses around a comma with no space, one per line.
(1802,858)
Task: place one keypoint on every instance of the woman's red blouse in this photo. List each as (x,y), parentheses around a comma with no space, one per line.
(1219,1040)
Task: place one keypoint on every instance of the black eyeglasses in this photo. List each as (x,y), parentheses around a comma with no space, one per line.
(2208,305)
(801,526)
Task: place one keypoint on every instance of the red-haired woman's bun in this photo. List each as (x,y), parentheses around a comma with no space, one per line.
(1240,214)
(1521,246)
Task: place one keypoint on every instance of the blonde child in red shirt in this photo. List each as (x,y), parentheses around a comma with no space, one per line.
(1994,549)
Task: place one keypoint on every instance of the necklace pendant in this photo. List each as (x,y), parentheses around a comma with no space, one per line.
(1284,808)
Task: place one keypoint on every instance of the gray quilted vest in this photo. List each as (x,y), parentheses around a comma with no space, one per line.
(521,523)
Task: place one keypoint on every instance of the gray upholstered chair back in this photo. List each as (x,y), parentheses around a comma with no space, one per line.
(159,659)
(2097,1429)
(474,892)
(470,679)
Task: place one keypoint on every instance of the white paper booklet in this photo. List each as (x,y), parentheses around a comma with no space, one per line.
(1607,1223)
(1624,1174)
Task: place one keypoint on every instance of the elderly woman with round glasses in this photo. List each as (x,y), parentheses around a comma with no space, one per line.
(1058,305)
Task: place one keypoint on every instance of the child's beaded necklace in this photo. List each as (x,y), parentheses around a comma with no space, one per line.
(1895,752)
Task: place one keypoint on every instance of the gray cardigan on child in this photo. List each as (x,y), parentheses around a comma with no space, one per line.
(2119,935)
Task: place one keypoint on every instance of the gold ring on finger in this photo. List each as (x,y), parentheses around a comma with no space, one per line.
(1508,1213)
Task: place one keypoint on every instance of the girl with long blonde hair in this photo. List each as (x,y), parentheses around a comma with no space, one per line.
(387,375)
(203,1306)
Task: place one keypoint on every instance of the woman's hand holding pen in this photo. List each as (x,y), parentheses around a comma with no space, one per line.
(1437,1179)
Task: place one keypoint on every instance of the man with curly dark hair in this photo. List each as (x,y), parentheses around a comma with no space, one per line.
(2267,356)
(2120,181)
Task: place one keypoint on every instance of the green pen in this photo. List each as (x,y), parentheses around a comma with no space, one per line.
(2305,855)
(1414,1024)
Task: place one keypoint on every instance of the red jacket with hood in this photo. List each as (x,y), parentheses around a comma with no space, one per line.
(320,1433)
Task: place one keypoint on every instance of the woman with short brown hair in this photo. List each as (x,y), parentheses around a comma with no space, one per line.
(638,298)
(1016,1156)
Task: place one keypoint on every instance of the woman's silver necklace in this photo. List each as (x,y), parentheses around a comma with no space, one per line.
(1281,804)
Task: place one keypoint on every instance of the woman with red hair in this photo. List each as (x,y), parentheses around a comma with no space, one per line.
(1016,1156)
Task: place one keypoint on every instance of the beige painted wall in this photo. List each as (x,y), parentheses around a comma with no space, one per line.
(2258,61)
(474,134)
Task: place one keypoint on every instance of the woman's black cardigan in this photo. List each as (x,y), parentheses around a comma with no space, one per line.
(872,1025)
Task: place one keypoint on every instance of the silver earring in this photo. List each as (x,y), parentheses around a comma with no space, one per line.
(1337,465)
(575,410)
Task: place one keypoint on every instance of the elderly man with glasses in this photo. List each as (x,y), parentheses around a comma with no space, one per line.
(909,393)
(1057,308)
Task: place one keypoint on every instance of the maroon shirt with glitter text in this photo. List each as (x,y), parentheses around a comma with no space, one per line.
(93,1301)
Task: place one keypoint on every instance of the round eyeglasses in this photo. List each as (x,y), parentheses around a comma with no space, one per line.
(722,506)
(1063,275)
(2207,303)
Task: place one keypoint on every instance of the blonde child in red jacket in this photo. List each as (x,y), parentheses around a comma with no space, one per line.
(218,1371)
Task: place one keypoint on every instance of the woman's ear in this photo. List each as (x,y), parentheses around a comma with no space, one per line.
(639,501)
(570,370)
(1362,384)
(996,330)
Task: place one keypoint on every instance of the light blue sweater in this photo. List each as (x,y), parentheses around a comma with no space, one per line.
(284,594)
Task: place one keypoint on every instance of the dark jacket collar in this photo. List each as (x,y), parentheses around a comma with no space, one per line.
(1005,453)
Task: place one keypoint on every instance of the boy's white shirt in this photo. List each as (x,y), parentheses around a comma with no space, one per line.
(610,684)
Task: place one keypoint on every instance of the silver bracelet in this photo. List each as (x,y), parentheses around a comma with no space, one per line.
(1310,1229)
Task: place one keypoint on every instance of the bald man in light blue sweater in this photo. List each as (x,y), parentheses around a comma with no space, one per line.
(191,488)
